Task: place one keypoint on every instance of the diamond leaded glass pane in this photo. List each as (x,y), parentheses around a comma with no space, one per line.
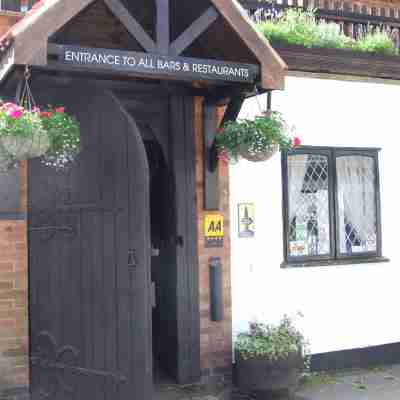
(308,192)
(357,205)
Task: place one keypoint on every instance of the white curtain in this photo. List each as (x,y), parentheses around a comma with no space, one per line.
(356,185)
(297,169)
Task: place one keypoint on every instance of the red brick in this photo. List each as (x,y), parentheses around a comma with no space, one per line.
(7,323)
(6,267)
(6,305)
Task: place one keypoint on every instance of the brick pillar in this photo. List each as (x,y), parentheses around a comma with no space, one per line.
(14,374)
(215,337)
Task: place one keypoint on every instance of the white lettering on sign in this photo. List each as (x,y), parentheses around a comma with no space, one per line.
(158,64)
(221,70)
(98,58)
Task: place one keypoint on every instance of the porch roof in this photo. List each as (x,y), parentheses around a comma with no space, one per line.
(26,43)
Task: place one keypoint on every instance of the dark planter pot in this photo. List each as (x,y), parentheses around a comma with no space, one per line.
(269,377)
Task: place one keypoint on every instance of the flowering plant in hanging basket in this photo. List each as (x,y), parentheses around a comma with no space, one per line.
(22,135)
(255,140)
(28,133)
(64,135)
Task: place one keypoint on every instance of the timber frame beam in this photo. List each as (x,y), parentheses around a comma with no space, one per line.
(163,45)
(130,23)
(194,31)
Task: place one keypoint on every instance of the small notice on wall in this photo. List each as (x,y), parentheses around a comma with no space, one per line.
(214,230)
(246,220)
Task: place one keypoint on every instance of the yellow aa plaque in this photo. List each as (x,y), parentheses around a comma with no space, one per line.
(214,230)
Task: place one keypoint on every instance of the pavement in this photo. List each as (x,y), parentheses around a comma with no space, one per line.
(382,383)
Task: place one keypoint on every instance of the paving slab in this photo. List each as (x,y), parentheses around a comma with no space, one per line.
(359,384)
(370,384)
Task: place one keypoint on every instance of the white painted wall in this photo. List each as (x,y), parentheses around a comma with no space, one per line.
(347,306)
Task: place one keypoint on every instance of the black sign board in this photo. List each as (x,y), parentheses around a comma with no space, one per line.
(154,64)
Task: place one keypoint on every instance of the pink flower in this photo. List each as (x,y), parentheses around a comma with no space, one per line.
(9,106)
(36,110)
(60,110)
(16,113)
(296,141)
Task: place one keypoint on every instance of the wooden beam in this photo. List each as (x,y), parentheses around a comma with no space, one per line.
(163,28)
(339,62)
(194,31)
(211,171)
(130,23)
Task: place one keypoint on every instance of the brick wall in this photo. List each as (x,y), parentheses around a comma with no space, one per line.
(7,20)
(215,337)
(14,374)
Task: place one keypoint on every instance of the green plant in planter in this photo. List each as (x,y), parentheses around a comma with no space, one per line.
(302,27)
(255,140)
(271,358)
(271,342)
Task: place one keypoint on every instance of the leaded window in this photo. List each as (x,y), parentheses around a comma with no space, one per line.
(331,204)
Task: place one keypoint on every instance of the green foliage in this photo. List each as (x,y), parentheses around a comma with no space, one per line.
(255,136)
(27,133)
(299,27)
(14,121)
(378,42)
(64,135)
(271,342)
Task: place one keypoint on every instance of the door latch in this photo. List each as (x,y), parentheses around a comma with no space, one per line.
(132,259)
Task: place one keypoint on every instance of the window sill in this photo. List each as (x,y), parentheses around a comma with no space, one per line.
(327,263)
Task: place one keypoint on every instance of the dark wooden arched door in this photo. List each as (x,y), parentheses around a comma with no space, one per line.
(90,260)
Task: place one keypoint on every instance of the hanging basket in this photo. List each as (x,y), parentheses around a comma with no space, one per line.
(258,156)
(26,132)
(24,148)
(6,163)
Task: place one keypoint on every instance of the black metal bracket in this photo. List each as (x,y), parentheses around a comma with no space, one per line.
(211,127)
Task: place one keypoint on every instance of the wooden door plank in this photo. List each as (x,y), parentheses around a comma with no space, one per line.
(197,28)
(134,281)
(182,146)
(193,311)
(113,165)
(132,25)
